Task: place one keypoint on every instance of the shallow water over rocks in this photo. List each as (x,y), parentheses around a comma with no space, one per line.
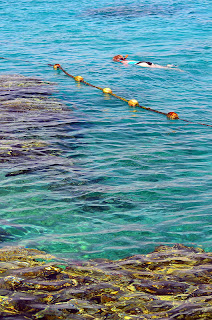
(169,283)
(28,110)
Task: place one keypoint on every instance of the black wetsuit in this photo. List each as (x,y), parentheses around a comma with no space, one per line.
(147,62)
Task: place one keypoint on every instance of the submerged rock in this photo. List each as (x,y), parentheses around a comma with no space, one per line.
(4,235)
(29,116)
(11,149)
(169,283)
(131,12)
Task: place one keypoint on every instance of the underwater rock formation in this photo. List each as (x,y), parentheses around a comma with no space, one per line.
(11,149)
(130,11)
(169,283)
(29,116)
(4,235)
(20,94)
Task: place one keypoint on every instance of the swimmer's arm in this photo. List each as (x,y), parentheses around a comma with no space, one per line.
(124,62)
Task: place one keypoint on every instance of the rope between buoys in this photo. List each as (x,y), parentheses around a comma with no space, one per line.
(118,97)
(68,74)
(134,103)
(58,66)
(91,85)
(170,115)
(202,124)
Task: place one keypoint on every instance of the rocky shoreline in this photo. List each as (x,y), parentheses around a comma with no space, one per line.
(169,283)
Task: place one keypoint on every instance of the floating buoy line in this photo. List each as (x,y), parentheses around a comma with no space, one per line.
(132,103)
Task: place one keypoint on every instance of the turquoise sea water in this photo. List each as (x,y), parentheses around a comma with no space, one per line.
(126,179)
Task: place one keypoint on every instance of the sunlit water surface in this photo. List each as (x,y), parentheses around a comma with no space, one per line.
(124,180)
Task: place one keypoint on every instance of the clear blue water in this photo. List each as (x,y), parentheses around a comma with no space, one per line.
(127,179)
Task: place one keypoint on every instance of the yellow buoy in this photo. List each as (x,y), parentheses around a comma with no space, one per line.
(107,90)
(78,78)
(172,115)
(56,66)
(133,103)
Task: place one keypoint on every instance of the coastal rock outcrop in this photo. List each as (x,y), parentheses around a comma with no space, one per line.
(169,283)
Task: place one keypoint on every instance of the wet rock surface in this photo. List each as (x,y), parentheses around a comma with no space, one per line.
(169,283)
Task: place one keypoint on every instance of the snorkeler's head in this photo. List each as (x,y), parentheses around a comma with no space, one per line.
(119,57)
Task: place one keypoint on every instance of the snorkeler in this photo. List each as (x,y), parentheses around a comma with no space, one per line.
(120,58)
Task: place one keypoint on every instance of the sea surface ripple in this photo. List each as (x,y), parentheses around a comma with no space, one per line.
(114,181)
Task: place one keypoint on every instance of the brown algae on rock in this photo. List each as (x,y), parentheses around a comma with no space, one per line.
(169,283)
